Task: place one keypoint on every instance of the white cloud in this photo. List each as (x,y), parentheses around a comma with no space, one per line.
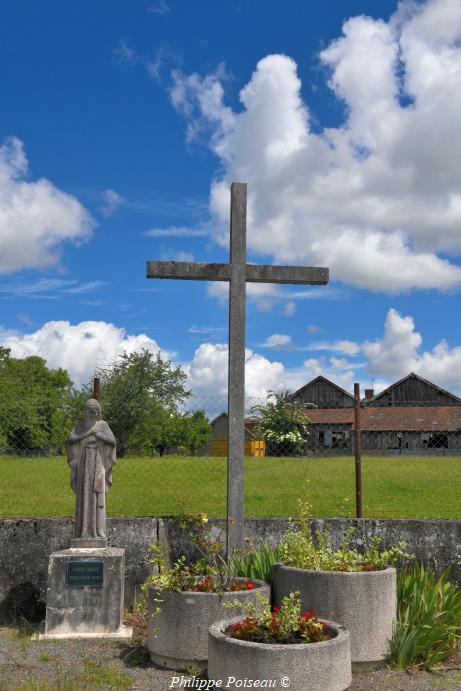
(398,352)
(79,348)
(176,232)
(181,256)
(266,296)
(112,202)
(340,346)
(395,354)
(378,198)
(208,372)
(35,217)
(277,341)
(160,7)
(48,288)
(125,53)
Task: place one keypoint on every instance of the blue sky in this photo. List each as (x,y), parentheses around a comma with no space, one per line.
(121,128)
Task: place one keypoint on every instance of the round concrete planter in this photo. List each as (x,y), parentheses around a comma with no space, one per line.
(184,620)
(365,602)
(324,666)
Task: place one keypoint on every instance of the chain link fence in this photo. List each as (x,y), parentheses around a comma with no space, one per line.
(401,444)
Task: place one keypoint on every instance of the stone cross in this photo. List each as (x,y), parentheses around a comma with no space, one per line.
(237,272)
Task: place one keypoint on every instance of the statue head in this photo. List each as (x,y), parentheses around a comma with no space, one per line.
(92,410)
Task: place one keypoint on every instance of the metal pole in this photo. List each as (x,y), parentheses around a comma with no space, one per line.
(358,453)
(96,388)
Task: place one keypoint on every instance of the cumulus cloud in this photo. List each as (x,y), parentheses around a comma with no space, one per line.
(208,372)
(378,198)
(35,216)
(78,348)
(398,352)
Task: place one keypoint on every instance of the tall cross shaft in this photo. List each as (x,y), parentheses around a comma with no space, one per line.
(238,273)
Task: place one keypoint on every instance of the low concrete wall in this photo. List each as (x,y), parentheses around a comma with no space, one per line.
(25,546)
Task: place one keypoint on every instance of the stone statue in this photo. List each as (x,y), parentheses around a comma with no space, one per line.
(91,457)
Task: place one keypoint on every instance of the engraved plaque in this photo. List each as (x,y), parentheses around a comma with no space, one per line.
(85,573)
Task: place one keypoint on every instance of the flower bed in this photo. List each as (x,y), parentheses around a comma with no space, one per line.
(322,666)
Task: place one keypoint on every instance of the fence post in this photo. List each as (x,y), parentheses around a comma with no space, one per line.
(358,453)
(96,388)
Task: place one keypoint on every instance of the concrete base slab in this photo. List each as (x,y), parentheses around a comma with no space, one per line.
(85,593)
(125,633)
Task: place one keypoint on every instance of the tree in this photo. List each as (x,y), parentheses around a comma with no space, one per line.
(283,425)
(135,389)
(35,403)
(196,430)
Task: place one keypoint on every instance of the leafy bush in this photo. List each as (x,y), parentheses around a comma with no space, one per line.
(428,619)
(298,549)
(283,424)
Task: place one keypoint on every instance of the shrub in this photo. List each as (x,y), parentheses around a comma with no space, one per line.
(298,549)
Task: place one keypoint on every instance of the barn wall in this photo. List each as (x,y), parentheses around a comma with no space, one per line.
(324,395)
(414,392)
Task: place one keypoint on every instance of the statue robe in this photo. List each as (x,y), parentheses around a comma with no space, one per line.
(91,476)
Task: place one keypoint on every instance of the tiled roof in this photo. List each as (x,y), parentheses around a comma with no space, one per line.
(392,419)
(413,419)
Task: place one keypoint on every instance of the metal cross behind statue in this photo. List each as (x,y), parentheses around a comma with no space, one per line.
(237,272)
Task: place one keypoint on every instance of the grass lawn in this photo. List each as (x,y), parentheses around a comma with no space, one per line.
(392,487)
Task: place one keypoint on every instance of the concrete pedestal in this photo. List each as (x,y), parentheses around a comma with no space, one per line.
(85,594)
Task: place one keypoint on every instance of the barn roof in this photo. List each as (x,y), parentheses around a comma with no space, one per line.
(413,375)
(398,419)
(321,378)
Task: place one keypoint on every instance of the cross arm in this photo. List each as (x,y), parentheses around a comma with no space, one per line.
(189,271)
(259,273)
(255,273)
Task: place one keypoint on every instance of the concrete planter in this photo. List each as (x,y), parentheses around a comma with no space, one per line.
(365,602)
(184,620)
(324,666)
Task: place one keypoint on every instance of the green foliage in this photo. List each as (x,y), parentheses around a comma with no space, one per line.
(184,576)
(195,430)
(428,619)
(36,404)
(283,425)
(140,394)
(280,625)
(255,562)
(299,549)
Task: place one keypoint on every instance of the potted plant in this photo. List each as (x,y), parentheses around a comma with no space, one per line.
(184,600)
(356,589)
(286,646)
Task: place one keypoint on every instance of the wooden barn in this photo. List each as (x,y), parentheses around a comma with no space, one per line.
(412,390)
(324,394)
(218,443)
(411,416)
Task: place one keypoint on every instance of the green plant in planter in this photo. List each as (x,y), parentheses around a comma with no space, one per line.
(210,573)
(284,624)
(428,619)
(255,562)
(299,550)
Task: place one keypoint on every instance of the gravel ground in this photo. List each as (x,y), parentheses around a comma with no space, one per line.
(27,664)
